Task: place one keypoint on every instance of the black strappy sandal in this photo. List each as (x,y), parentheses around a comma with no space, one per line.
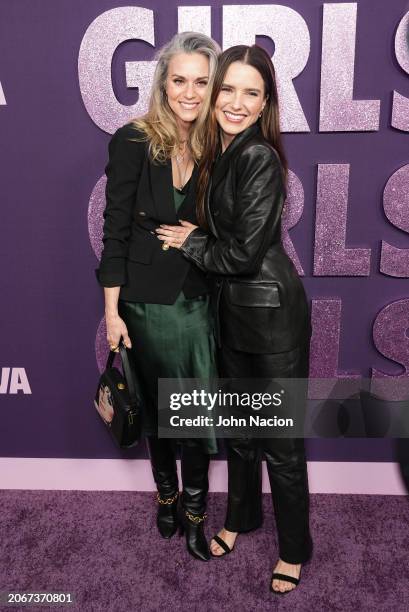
(277,576)
(223,545)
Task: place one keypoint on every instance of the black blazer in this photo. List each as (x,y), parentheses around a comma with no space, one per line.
(139,197)
(261,302)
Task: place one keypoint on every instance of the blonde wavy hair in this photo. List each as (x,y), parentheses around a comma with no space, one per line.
(158,125)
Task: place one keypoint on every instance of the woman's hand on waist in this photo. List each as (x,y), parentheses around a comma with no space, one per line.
(175,235)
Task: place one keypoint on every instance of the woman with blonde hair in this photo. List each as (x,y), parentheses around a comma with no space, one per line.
(155,300)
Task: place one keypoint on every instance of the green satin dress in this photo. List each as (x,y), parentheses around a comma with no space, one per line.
(170,341)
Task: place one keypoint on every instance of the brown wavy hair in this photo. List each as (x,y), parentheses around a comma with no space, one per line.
(269,122)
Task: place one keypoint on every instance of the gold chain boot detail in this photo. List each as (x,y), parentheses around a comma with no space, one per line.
(193,526)
(167,516)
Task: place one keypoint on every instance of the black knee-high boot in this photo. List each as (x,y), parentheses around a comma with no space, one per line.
(163,462)
(195,466)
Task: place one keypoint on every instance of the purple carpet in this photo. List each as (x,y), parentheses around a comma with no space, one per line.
(104,548)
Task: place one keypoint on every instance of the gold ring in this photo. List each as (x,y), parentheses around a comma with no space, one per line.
(165,246)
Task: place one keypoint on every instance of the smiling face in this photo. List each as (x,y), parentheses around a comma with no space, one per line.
(240,101)
(186,84)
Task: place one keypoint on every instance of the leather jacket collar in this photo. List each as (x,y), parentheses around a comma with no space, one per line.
(223,160)
(221,167)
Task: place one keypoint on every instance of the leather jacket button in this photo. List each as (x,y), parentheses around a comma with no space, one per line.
(142,214)
(216,213)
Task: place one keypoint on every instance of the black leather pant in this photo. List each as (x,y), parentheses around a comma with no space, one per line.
(285,459)
(194,464)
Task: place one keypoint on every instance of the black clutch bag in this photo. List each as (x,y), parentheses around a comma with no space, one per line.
(118,401)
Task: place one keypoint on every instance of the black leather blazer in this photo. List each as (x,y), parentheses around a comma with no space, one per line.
(261,302)
(139,197)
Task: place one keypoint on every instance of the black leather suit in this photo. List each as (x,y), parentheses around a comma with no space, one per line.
(263,327)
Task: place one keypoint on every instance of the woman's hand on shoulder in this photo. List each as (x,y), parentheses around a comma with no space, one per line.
(116,329)
(175,235)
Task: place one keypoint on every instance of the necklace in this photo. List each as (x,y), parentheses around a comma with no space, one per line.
(180,158)
(182,181)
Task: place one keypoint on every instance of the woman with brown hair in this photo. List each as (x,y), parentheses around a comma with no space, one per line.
(263,324)
(155,299)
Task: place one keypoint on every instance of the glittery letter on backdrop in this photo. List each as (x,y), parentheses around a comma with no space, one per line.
(400,108)
(101,39)
(390,335)
(194,19)
(331,258)
(289,32)
(326,327)
(395,261)
(293,209)
(339,112)
(326,330)
(96,208)
(2,97)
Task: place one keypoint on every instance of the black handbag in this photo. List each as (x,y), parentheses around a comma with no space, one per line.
(118,401)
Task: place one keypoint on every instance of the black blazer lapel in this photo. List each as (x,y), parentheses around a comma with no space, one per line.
(162,191)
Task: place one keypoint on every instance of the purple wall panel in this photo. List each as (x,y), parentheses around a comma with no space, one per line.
(52,155)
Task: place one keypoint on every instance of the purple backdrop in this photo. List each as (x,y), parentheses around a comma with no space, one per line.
(53,154)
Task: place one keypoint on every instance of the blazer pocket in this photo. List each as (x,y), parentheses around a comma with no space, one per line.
(141,251)
(254,295)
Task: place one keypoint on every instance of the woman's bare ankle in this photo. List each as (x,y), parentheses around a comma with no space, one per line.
(230,533)
(229,537)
